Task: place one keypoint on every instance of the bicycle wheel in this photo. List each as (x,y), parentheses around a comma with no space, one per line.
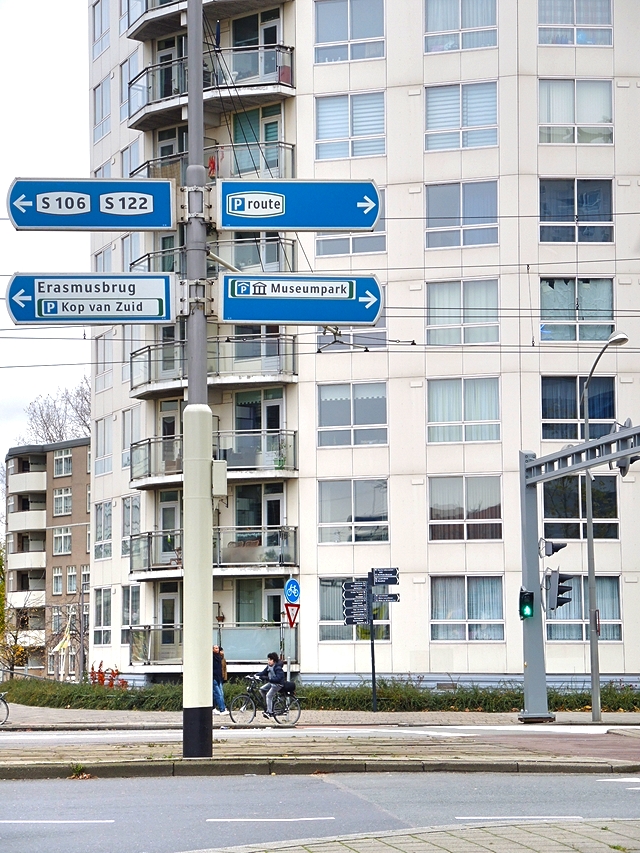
(4,711)
(242,710)
(286,710)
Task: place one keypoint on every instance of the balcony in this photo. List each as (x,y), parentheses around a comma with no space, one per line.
(233,360)
(31,559)
(249,254)
(152,19)
(244,550)
(27,481)
(29,598)
(243,642)
(158,461)
(252,76)
(34,519)
(32,638)
(257,160)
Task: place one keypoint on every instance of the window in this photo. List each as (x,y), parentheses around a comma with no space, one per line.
(579,22)
(130,433)
(350,126)
(573,111)
(51,663)
(565,507)
(460,24)
(576,202)
(352,414)
(102,540)
(62,501)
(102,617)
(356,243)
(130,611)
(56,581)
(130,160)
(464,508)
(100,27)
(466,608)
(103,445)
(101,110)
(463,410)
(455,212)
(130,250)
(102,260)
(104,361)
(103,171)
(560,397)
(128,70)
(461,116)
(353,511)
(61,540)
(124,16)
(349,29)
(72,580)
(86,577)
(462,312)
(340,339)
(130,521)
(571,621)
(573,309)
(62,460)
(131,341)
(332,627)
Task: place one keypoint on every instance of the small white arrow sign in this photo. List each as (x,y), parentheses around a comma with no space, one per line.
(21,203)
(370,299)
(21,298)
(367,205)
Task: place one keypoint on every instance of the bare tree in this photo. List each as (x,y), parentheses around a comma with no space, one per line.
(61,417)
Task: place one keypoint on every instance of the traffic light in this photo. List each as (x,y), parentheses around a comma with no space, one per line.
(525,606)
(550,548)
(558,589)
(623,464)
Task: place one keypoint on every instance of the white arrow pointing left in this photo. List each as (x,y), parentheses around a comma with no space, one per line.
(370,299)
(21,298)
(21,203)
(367,205)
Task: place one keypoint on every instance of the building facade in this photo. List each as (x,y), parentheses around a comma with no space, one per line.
(47,557)
(502,137)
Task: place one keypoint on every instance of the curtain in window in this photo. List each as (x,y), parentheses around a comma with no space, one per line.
(447,598)
(332,122)
(557,102)
(607,597)
(331,599)
(445,406)
(331,21)
(478,13)
(595,299)
(593,12)
(601,397)
(559,398)
(445,498)
(593,102)
(481,400)
(481,302)
(484,598)
(367,119)
(557,299)
(442,15)
(479,202)
(443,107)
(483,497)
(556,201)
(594,201)
(555,11)
(479,104)
(444,303)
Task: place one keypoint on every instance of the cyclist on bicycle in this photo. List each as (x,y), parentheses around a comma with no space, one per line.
(274,674)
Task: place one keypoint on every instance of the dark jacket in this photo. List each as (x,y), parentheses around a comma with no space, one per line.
(276,676)
(217,667)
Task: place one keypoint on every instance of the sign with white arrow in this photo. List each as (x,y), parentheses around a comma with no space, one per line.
(314,299)
(99,204)
(297,205)
(88,300)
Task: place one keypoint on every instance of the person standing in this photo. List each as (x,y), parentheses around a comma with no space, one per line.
(274,674)
(218,681)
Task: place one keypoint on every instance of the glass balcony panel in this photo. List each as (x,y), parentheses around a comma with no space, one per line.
(156,644)
(235,546)
(158,549)
(257,449)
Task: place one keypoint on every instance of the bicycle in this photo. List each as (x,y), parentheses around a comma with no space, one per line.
(4,709)
(286,706)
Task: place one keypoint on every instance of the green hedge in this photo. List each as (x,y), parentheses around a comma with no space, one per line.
(405,695)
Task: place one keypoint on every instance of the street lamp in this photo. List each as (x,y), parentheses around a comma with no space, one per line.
(616,339)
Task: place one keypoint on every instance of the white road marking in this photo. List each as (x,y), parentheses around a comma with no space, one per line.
(57,821)
(264,819)
(630,779)
(522,817)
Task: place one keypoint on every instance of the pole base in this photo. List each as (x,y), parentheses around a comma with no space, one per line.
(197,732)
(530,717)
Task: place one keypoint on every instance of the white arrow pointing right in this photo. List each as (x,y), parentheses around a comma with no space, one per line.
(370,299)
(21,203)
(367,205)
(21,298)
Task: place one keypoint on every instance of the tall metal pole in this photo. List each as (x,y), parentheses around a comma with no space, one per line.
(596,715)
(197,735)
(374,688)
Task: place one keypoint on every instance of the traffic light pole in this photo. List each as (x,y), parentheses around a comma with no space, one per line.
(197,702)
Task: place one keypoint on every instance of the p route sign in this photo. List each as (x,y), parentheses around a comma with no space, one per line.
(92,299)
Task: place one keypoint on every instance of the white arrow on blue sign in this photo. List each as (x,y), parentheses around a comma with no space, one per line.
(101,204)
(298,205)
(88,300)
(301,299)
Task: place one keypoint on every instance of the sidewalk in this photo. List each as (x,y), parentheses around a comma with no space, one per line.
(376,749)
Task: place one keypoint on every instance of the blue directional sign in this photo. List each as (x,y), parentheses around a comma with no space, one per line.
(90,205)
(292,591)
(301,299)
(298,205)
(88,300)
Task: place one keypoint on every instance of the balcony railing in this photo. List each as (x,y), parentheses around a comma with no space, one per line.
(239,355)
(232,546)
(249,254)
(243,642)
(156,457)
(223,68)
(252,160)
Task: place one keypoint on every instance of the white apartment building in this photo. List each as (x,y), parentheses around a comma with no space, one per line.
(503,135)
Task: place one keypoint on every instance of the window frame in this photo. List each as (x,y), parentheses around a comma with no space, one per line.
(579,325)
(62,501)
(563,617)
(100,27)
(62,462)
(72,580)
(351,139)
(606,527)
(352,427)
(461,128)
(103,461)
(598,426)
(466,314)
(488,225)
(130,524)
(576,40)
(130,607)
(370,43)
(465,425)
(103,520)
(56,580)
(102,613)
(575,125)
(347,243)
(129,69)
(452,39)
(352,633)
(61,541)
(354,536)
(467,622)
(572,222)
(465,522)
(102,109)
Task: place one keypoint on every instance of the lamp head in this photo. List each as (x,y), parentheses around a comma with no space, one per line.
(617,339)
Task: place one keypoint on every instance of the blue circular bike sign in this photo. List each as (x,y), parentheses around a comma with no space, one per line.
(292,591)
